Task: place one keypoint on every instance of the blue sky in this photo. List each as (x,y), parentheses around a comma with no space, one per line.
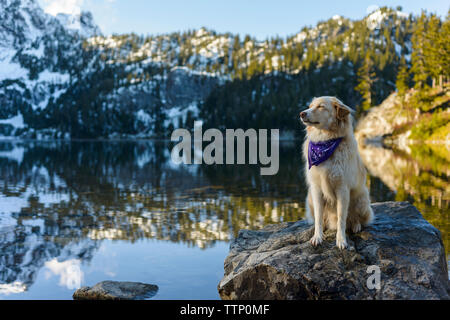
(259,18)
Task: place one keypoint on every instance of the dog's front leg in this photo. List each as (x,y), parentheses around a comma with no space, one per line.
(343,199)
(318,204)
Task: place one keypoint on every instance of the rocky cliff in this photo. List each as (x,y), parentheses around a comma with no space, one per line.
(381,120)
(419,116)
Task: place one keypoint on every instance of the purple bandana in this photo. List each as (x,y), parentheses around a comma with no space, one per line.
(320,151)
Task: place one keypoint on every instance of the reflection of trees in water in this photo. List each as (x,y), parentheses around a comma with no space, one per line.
(69,194)
(420,176)
(421,173)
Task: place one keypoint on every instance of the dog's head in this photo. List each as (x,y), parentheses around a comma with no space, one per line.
(325,113)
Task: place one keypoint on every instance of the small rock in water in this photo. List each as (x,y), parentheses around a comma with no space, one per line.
(116,290)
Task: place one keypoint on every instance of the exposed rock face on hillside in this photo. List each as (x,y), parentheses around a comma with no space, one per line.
(381,120)
(278,262)
(184,87)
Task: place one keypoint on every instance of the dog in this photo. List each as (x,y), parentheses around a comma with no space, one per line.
(337,198)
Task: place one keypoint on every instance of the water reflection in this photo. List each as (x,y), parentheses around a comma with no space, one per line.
(419,174)
(59,201)
(69,272)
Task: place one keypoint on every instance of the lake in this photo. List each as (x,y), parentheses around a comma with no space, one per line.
(76,213)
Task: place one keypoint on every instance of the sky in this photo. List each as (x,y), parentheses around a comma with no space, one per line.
(259,18)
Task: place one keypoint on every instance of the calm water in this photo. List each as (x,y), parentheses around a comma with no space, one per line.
(74,214)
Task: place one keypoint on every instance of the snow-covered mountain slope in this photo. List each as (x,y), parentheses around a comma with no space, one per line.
(82,23)
(38,53)
(62,78)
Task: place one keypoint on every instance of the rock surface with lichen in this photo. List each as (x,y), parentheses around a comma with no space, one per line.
(278,262)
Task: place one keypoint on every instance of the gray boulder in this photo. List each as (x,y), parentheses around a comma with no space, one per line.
(116,290)
(278,262)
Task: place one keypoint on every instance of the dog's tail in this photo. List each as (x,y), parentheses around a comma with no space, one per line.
(367,216)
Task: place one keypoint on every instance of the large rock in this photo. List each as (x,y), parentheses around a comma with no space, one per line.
(278,262)
(116,290)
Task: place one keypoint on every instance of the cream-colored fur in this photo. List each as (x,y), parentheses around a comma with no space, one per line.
(337,198)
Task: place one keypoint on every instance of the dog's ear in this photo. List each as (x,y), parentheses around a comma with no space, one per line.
(342,110)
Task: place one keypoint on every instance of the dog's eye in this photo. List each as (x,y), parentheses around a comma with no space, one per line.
(320,107)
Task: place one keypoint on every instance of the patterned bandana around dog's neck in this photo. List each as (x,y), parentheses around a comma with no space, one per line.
(320,151)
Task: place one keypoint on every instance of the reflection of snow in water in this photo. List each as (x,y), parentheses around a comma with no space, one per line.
(69,271)
(11,288)
(14,204)
(15,154)
(53,214)
(10,205)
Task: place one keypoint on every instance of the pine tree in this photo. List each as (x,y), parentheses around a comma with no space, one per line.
(158,114)
(235,54)
(418,55)
(444,49)
(402,82)
(366,79)
(431,48)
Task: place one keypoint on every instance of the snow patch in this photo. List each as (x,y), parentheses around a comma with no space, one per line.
(11,288)
(16,121)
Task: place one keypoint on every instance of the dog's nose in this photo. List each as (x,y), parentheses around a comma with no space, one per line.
(303,114)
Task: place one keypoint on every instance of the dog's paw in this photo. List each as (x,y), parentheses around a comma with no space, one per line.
(316,240)
(356,228)
(341,242)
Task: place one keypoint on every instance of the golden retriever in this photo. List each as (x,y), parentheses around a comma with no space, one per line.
(338,198)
